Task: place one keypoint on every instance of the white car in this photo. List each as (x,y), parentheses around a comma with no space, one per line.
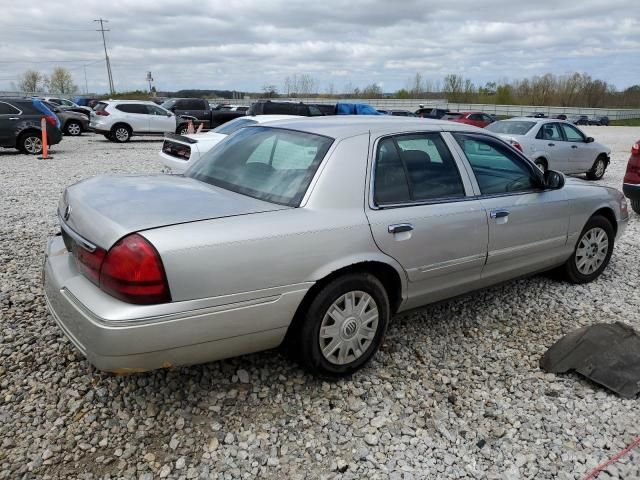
(119,120)
(178,152)
(555,145)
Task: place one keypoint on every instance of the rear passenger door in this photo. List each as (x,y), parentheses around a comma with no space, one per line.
(9,118)
(423,213)
(528,224)
(551,141)
(135,115)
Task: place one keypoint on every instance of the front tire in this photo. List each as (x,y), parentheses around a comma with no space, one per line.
(592,253)
(121,133)
(598,168)
(182,129)
(73,128)
(344,325)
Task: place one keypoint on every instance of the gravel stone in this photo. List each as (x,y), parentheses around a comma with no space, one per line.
(455,392)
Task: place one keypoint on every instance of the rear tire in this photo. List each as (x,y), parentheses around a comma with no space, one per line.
(592,253)
(30,143)
(344,325)
(598,168)
(73,128)
(120,133)
(635,205)
(541,163)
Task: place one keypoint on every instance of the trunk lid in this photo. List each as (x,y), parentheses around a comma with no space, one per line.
(103,209)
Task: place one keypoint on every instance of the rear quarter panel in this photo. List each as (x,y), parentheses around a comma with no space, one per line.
(283,248)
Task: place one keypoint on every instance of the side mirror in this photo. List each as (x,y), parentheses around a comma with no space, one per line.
(169,114)
(553,180)
(589,140)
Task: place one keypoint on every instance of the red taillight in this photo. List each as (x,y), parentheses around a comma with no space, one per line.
(52,120)
(632,175)
(516,145)
(89,263)
(102,113)
(132,271)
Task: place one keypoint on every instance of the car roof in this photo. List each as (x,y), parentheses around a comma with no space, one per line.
(344,126)
(271,118)
(148,102)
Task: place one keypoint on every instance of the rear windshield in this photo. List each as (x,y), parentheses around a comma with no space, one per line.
(233,125)
(511,127)
(99,106)
(270,164)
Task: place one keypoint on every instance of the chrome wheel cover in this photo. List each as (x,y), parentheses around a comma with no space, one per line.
(348,328)
(33,145)
(592,250)
(122,134)
(74,129)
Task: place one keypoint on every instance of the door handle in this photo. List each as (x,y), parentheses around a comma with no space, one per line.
(574,146)
(499,213)
(551,144)
(400,227)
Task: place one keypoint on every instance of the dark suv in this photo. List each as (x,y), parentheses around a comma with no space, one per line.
(269,107)
(20,125)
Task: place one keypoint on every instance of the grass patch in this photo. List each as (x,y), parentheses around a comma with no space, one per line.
(630,122)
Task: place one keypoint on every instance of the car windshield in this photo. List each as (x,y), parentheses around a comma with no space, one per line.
(168,104)
(511,127)
(236,124)
(271,164)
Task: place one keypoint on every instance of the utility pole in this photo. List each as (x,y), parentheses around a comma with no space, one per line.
(86,85)
(106,55)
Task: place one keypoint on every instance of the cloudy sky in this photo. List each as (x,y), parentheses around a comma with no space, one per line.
(245,44)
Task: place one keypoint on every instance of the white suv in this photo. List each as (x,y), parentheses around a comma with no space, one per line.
(119,120)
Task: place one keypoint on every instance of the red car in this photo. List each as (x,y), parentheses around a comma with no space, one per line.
(631,182)
(477,119)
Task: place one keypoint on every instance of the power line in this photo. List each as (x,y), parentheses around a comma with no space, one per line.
(106,55)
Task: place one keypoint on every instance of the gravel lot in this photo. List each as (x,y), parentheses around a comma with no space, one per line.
(456,391)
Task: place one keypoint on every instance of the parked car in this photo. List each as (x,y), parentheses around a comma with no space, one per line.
(561,116)
(72,123)
(20,120)
(179,152)
(539,115)
(477,119)
(199,111)
(325,108)
(233,108)
(311,233)
(353,108)
(631,182)
(401,113)
(281,107)
(119,120)
(555,144)
(67,104)
(599,121)
(435,113)
(579,119)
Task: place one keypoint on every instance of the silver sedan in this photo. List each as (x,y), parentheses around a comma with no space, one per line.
(311,233)
(555,144)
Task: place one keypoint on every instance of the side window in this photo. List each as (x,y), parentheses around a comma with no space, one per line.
(496,168)
(475,116)
(6,109)
(572,133)
(551,131)
(132,108)
(155,110)
(314,111)
(390,182)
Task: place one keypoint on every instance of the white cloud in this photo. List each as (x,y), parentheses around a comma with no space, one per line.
(244,44)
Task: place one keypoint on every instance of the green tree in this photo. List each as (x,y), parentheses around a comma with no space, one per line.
(61,81)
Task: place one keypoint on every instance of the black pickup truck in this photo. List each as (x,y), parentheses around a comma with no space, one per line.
(199,110)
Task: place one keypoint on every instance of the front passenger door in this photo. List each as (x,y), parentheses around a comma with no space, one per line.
(528,224)
(159,121)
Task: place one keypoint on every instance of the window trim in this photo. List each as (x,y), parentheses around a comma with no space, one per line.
(19,112)
(468,188)
(528,163)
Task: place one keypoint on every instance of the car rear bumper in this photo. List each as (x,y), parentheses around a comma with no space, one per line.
(175,165)
(180,338)
(631,191)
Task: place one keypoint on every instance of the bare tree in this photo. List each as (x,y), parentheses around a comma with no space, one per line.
(31,81)
(61,81)
(270,90)
(453,86)
(372,91)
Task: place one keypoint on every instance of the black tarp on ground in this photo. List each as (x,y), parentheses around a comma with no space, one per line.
(607,353)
